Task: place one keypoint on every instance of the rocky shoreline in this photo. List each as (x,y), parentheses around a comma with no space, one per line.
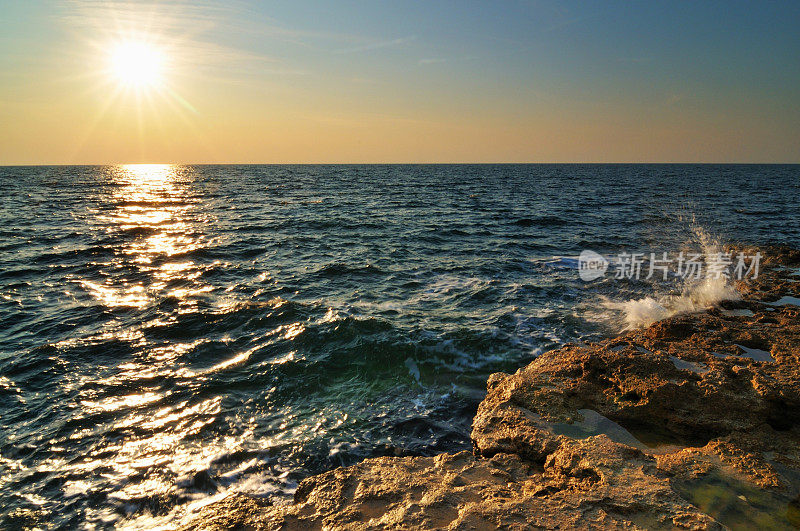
(693,423)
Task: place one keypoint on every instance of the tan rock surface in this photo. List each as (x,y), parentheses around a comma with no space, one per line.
(593,483)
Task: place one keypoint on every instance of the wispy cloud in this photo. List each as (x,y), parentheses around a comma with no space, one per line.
(116,16)
(197,34)
(377,45)
(432,61)
(188,31)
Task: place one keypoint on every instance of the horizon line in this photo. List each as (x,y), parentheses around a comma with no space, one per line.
(507,163)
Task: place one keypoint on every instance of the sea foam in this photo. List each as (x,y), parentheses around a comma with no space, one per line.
(695,296)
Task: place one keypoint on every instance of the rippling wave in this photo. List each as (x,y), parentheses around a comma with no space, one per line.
(169,334)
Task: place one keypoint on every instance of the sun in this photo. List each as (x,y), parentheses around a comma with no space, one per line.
(137,64)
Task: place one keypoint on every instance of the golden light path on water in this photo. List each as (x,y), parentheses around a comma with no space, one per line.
(158,216)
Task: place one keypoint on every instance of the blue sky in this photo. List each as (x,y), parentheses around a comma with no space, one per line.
(435,81)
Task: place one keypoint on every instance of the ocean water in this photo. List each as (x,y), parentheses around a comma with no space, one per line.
(171,334)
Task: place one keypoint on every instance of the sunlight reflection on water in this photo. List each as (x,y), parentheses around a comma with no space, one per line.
(155,204)
(175,333)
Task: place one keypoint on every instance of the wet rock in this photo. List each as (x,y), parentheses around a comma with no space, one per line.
(736,419)
(202,480)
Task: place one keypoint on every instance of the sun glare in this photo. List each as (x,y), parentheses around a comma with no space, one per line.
(137,64)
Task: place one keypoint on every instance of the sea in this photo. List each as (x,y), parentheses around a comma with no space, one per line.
(172,334)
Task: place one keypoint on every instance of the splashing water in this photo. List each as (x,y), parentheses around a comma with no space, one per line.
(696,296)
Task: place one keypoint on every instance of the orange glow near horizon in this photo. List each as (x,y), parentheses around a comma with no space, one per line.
(211,82)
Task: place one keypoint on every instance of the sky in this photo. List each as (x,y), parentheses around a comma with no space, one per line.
(412,81)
